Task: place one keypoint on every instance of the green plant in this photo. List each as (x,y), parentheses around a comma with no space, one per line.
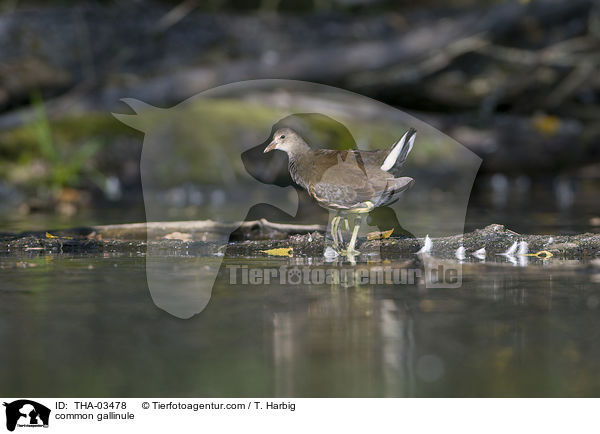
(67,168)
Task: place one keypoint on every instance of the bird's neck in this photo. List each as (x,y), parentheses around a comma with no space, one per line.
(299,161)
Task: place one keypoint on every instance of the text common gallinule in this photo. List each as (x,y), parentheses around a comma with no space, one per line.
(351,181)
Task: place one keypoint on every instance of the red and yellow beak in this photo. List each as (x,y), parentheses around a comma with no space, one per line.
(270,146)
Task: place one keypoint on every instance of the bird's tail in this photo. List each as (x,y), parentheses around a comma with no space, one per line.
(393,190)
(400,150)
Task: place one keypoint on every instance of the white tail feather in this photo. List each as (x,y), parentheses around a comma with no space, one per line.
(390,160)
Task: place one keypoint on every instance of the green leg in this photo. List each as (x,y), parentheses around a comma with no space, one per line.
(340,234)
(334,231)
(351,251)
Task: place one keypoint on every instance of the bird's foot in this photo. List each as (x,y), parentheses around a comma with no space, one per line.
(338,245)
(349,252)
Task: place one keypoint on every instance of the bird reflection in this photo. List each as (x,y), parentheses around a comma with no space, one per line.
(354,329)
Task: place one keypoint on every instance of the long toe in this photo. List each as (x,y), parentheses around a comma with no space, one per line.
(349,252)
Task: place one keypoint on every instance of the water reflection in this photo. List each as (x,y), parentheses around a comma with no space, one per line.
(507,331)
(408,340)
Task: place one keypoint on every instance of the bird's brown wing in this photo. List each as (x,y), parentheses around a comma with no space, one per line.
(346,185)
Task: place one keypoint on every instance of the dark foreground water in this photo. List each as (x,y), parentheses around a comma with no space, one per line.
(87,326)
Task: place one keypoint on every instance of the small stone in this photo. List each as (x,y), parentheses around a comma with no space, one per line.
(480,254)
(427,246)
(330,253)
(523,248)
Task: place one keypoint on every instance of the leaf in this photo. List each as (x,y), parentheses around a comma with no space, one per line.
(379,235)
(542,254)
(282,251)
(546,124)
(49,235)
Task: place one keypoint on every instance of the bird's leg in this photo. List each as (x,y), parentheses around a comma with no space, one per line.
(334,231)
(346,224)
(340,234)
(357,222)
(350,251)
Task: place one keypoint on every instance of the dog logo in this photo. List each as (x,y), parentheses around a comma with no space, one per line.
(26,413)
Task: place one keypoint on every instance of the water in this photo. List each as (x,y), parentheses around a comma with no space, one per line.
(86,326)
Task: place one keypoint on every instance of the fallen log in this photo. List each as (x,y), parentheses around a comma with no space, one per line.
(201,230)
(301,241)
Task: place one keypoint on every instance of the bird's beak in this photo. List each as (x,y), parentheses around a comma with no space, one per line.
(270,147)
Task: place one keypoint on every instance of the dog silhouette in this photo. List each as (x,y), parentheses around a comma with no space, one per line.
(25,408)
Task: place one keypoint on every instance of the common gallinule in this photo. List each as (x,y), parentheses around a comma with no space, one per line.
(350,182)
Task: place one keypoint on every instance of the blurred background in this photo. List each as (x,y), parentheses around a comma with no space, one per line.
(514,81)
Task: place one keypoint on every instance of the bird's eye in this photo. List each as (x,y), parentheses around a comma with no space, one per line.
(282,137)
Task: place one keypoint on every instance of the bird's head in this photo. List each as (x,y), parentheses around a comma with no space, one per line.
(287,140)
